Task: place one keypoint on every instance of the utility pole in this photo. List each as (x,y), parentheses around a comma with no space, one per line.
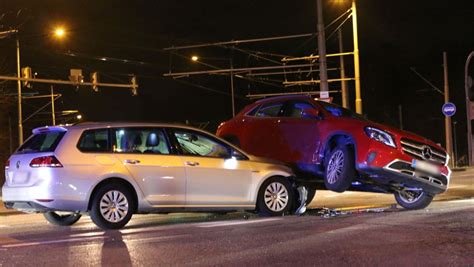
(322,52)
(447,119)
(345,94)
(52,106)
(232,85)
(358,100)
(18,69)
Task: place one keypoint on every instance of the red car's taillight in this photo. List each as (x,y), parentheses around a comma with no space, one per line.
(7,165)
(47,161)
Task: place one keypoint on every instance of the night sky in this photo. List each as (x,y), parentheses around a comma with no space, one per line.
(393,37)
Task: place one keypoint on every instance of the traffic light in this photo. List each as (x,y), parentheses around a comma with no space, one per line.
(26,73)
(75,76)
(95,81)
(133,81)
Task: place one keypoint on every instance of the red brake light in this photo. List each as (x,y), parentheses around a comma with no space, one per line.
(47,161)
(7,164)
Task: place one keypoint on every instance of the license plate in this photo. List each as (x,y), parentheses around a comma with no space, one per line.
(425,167)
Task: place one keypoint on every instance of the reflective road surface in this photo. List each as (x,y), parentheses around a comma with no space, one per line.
(350,228)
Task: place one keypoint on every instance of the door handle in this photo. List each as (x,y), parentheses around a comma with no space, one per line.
(192,163)
(131,161)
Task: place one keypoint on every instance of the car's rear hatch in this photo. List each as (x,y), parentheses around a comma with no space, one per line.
(36,153)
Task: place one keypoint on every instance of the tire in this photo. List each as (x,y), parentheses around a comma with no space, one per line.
(339,169)
(114,198)
(310,196)
(275,197)
(62,220)
(413,200)
(297,202)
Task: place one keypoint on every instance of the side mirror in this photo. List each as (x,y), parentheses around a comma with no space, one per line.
(237,155)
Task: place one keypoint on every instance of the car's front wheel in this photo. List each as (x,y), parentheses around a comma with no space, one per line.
(112,206)
(413,199)
(340,169)
(62,218)
(275,197)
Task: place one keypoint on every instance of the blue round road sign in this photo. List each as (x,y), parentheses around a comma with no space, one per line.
(449,109)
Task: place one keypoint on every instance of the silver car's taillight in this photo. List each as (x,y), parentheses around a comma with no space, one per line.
(47,161)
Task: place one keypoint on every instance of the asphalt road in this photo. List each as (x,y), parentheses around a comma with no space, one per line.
(356,229)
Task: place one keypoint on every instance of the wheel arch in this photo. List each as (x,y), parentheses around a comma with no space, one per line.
(282,174)
(118,180)
(337,138)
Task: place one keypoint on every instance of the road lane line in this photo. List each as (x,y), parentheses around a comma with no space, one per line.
(49,242)
(226,223)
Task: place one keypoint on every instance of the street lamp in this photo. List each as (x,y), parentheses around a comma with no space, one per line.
(194,58)
(59,32)
(79,117)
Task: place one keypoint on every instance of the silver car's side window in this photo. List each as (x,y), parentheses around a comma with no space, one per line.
(94,141)
(138,140)
(193,143)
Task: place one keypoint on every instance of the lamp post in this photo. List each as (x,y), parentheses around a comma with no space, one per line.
(358,100)
(59,33)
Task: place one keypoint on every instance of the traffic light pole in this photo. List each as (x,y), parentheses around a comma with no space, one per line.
(447,119)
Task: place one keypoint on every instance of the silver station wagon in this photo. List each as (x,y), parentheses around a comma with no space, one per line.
(113,170)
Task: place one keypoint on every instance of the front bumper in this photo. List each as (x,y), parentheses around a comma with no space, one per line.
(400,174)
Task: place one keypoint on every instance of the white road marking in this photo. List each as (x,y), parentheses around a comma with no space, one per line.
(4,226)
(48,242)
(227,223)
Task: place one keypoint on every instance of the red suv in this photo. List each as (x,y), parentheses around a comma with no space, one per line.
(323,141)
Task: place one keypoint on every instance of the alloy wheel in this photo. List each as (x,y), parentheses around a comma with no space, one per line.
(335,167)
(410,196)
(276,197)
(114,206)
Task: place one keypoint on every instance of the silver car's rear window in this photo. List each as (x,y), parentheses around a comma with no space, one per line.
(41,142)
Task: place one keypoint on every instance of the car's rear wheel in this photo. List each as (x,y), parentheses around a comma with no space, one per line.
(340,169)
(62,218)
(275,197)
(413,199)
(112,206)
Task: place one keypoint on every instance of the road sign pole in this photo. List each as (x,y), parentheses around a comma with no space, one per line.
(447,119)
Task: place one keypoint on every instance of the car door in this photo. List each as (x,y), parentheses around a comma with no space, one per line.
(146,154)
(262,139)
(299,133)
(214,177)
